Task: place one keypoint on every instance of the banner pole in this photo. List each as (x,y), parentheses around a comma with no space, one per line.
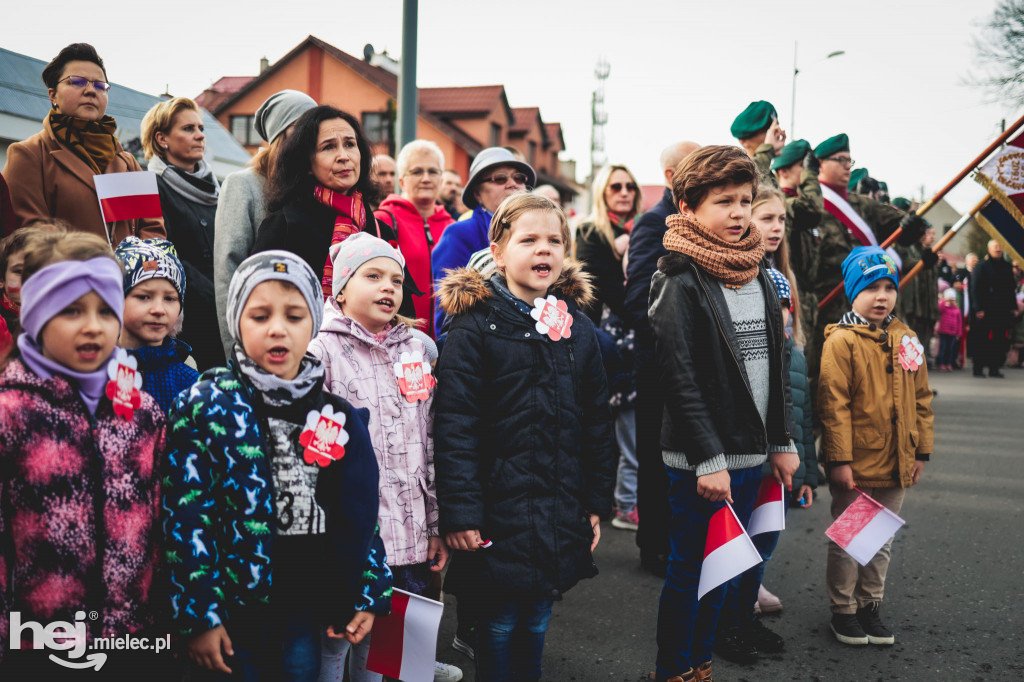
(914,271)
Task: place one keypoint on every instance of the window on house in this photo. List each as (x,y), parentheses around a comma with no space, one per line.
(495,135)
(244,131)
(531,153)
(376,127)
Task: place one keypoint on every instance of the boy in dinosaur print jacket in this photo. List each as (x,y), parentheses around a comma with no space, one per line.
(270,494)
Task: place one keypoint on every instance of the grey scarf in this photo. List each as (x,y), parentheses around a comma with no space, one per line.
(200,186)
(276,391)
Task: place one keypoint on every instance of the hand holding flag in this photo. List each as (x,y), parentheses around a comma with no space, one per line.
(728,551)
(864,528)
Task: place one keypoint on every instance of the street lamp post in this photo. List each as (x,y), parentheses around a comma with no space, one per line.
(792,104)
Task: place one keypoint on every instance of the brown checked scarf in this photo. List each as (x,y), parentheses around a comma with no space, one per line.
(92,141)
(351,219)
(733,263)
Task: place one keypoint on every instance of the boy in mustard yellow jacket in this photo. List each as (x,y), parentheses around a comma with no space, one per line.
(875,406)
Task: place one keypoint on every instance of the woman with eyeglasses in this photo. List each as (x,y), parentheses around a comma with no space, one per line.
(174,142)
(494,175)
(418,219)
(51,173)
(317,193)
(602,241)
(603,238)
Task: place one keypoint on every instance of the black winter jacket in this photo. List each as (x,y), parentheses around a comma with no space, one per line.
(523,441)
(709,407)
(190,227)
(599,261)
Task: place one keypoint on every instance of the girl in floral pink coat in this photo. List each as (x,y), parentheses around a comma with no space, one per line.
(79,484)
(374,359)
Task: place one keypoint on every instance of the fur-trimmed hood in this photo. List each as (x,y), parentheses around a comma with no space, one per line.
(464,288)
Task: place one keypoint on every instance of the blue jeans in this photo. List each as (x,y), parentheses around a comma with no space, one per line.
(686,626)
(947,349)
(281,646)
(510,640)
(625,480)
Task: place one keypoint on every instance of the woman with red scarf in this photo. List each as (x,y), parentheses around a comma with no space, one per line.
(317,190)
(603,238)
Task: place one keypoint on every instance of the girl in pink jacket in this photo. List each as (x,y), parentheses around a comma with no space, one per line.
(375,359)
(949,328)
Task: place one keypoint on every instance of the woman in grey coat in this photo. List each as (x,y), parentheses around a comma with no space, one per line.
(242,205)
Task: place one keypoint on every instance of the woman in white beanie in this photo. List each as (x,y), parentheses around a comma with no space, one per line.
(242,206)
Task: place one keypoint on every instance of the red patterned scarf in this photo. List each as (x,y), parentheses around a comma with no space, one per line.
(350,220)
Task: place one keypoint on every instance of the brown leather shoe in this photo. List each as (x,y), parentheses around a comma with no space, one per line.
(689,676)
(703,673)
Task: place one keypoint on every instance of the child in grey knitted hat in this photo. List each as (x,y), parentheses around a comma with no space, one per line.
(373,358)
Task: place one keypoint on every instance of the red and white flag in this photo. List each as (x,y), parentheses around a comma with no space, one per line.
(728,551)
(403,645)
(128,196)
(769,509)
(863,528)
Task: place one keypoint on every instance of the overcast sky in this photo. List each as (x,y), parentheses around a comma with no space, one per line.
(679,69)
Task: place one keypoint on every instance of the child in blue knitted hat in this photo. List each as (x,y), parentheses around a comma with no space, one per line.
(154,296)
(875,407)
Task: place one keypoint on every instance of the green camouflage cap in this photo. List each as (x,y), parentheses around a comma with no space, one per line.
(791,153)
(755,118)
(836,143)
(856,176)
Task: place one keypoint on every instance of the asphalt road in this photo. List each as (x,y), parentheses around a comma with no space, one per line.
(954,588)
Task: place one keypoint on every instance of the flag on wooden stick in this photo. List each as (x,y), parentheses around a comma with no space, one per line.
(1003,216)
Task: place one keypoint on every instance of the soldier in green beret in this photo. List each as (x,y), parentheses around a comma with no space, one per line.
(757,129)
(796,169)
(850,220)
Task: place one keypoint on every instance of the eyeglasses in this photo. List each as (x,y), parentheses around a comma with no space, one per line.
(502,178)
(845,160)
(81,81)
(417,172)
(618,186)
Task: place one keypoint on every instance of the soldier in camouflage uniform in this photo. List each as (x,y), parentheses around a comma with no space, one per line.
(796,169)
(837,241)
(757,129)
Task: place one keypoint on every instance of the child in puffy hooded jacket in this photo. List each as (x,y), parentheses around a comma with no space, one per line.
(377,360)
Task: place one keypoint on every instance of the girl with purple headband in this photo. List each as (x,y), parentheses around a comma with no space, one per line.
(79,455)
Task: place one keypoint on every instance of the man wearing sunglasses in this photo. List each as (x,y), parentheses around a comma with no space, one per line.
(848,221)
(494,175)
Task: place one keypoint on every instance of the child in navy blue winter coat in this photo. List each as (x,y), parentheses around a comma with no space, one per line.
(523,443)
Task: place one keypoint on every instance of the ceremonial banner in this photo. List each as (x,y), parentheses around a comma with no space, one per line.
(128,196)
(844,213)
(1003,217)
(770,508)
(728,551)
(863,528)
(403,645)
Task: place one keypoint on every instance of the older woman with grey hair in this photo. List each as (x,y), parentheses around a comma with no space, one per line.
(418,219)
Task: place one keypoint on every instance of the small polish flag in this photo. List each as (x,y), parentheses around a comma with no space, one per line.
(863,528)
(728,551)
(127,196)
(403,645)
(769,509)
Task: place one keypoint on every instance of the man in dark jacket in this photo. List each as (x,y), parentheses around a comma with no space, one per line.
(645,248)
(994,303)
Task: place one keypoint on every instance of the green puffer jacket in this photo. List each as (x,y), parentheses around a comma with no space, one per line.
(803,427)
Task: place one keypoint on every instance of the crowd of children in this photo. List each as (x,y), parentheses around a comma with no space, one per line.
(267,517)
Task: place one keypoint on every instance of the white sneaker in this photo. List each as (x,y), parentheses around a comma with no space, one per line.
(444,672)
(767,601)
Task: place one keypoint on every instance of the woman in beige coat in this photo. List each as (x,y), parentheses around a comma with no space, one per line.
(51,174)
